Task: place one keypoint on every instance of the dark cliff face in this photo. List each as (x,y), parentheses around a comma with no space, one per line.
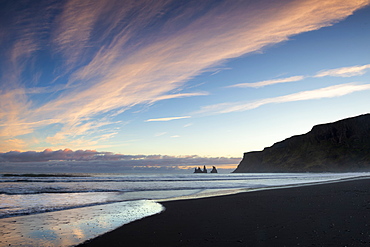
(341,146)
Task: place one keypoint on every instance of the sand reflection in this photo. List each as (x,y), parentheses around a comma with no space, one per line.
(73,226)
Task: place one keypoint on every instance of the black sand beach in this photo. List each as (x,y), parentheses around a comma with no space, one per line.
(336,214)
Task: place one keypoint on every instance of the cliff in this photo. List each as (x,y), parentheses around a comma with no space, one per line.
(342,146)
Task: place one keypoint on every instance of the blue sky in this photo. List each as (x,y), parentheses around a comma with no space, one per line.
(178,78)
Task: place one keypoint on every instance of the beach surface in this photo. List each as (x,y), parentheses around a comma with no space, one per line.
(334,214)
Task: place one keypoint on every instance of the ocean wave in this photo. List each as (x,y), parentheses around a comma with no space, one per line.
(42,175)
(13,212)
(51,190)
(133,179)
(12,191)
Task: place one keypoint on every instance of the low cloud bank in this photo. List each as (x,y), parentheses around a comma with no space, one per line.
(69,161)
(65,155)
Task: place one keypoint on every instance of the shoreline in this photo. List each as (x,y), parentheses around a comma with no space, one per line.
(227,192)
(333,213)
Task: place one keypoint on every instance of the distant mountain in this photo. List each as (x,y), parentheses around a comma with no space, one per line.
(342,146)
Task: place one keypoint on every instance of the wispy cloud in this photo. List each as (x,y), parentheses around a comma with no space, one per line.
(166,119)
(327,92)
(345,71)
(180,95)
(118,54)
(15,144)
(269,82)
(338,72)
(160,134)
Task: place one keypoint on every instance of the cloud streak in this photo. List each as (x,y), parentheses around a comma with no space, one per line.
(269,82)
(327,92)
(113,55)
(338,72)
(345,71)
(166,119)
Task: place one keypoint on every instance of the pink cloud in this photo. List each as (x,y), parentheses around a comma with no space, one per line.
(122,62)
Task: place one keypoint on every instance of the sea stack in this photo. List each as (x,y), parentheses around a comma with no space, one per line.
(214,170)
(199,170)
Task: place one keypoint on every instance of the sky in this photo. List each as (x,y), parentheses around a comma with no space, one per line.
(173,84)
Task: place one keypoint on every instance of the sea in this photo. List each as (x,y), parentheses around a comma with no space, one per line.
(68,209)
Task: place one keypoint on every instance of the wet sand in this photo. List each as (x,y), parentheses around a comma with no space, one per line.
(336,214)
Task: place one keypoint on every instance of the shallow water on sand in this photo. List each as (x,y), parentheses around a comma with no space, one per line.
(73,226)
